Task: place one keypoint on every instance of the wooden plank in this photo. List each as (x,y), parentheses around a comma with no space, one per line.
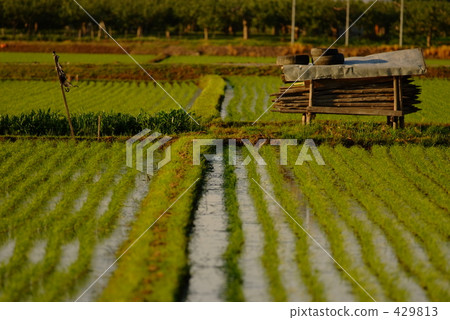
(343,104)
(335,83)
(337,99)
(354,111)
(395,79)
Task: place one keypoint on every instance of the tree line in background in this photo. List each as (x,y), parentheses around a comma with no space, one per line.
(425,20)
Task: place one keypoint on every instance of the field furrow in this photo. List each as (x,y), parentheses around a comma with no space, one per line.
(254,282)
(208,241)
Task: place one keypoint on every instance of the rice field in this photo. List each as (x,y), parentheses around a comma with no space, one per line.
(239,233)
(372,224)
(94,96)
(72,58)
(59,236)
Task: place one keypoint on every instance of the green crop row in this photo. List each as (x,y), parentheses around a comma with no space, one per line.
(331,206)
(269,258)
(251,99)
(94,96)
(233,291)
(73,179)
(206,107)
(383,206)
(393,192)
(155,267)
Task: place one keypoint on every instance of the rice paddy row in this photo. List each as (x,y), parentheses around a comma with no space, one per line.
(381,214)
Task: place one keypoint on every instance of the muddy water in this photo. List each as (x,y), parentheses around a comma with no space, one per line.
(80,201)
(194,97)
(104,203)
(37,252)
(105,252)
(209,240)
(6,251)
(388,256)
(229,94)
(254,285)
(69,254)
(290,274)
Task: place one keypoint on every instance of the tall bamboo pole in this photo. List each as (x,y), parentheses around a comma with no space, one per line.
(72,134)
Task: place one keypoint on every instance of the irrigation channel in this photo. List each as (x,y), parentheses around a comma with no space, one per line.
(229,94)
(209,240)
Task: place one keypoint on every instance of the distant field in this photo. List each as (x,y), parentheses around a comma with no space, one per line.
(437,62)
(105,58)
(127,97)
(218,59)
(108,58)
(85,58)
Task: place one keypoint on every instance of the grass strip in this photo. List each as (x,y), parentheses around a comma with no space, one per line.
(233,291)
(288,201)
(270,259)
(207,105)
(156,267)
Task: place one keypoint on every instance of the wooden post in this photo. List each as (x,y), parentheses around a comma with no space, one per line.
(72,134)
(310,103)
(395,94)
(401,122)
(303,118)
(395,119)
(400,103)
(98,126)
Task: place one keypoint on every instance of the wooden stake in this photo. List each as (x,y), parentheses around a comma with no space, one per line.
(401,122)
(311,92)
(395,93)
(98,126)
(72,134)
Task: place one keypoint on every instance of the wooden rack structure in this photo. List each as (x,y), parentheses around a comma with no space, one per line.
(390,96)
